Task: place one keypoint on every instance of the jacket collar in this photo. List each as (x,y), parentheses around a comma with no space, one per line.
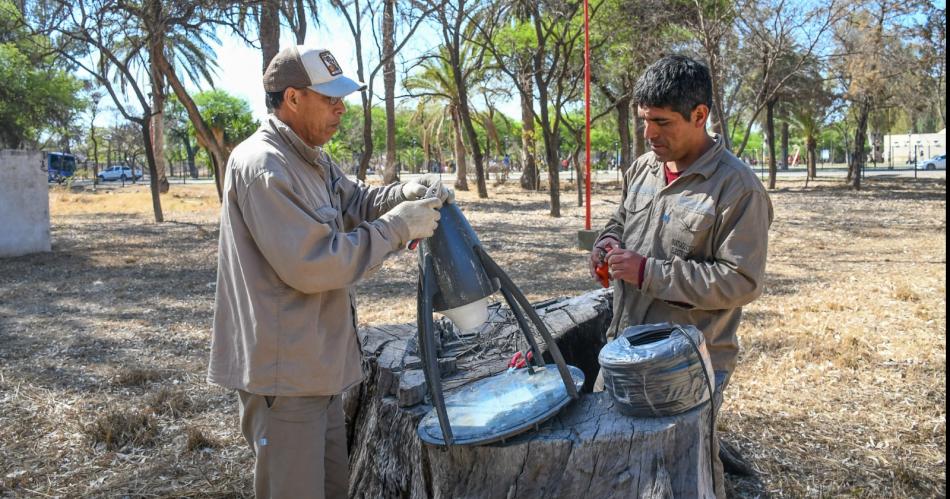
(311,155)
(705,165)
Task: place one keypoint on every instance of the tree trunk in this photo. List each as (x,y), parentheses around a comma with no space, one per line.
(623,130)
(95,145)
(641,142)
(390,172)
(217,151)
(785,145)
(269,31)
(156,49)
(300,27)
(530,179)
(554,172)
(190,152)
(578,170)
(367,153)
(860,136)
(588,449)
(552,145)
(153,174)
(461,171)
(466,117)
(720,122)
(491,134)
(811,146)
(770,138)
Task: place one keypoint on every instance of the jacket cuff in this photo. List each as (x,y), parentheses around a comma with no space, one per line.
(641,271)
(646,273)
(604,235)
(396,227)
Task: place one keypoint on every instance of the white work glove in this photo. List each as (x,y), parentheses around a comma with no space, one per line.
(415,189)
(420,216)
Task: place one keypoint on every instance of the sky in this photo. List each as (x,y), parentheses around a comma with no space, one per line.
(240,65)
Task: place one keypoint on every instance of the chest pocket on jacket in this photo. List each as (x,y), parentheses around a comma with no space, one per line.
(639,198)
(690,233)
(326,214)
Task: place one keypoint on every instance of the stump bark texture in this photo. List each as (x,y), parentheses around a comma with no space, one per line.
(589,450)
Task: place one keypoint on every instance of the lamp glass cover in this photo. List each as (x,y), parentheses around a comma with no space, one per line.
(470,315)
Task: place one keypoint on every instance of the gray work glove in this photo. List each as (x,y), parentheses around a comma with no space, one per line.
(415,189)
(421,216)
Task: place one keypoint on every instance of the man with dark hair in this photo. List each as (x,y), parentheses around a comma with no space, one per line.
(296,236)
(687,244)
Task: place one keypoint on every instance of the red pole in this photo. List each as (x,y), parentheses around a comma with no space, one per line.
(587,111)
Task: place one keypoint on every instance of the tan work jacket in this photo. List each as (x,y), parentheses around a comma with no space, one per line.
(296,236)
(705,238)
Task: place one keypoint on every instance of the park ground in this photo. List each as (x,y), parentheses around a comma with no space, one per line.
(840,388)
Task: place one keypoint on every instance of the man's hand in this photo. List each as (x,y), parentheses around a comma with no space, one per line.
(599,252)
(421,216)
(624,265)
(415,189)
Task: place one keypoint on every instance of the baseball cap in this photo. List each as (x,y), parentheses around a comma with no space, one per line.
(298,66)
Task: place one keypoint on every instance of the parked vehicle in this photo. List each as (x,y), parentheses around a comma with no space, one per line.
(935,163)
(120,172)
(59,166)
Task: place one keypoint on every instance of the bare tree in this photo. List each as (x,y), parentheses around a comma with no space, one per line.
(555,69)
(357,15)
(87,32)
(785,37)
(466,60)
(870,42)
(622,51)
(712,22)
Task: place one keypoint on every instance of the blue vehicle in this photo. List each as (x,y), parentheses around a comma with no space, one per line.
(59,166)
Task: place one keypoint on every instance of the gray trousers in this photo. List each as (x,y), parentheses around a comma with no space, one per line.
(299,445)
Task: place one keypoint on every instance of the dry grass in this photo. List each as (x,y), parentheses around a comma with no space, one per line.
(840,389)
(116,430)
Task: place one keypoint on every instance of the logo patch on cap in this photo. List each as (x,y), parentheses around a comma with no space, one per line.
(332,66)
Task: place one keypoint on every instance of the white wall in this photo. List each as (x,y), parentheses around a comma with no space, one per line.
(24,203)
(902,147)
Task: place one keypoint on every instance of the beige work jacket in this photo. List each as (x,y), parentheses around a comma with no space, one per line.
(704,237)
(296,236)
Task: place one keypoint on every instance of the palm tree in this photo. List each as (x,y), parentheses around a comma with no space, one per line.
(432,123)
(185,47)
(435,82)
(163,40)
(807,122)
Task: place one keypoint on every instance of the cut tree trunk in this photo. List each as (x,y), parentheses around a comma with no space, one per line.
(589,449)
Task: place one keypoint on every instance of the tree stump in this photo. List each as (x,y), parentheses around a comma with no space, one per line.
(589,449)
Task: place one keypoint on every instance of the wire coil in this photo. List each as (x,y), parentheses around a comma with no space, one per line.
(657,370)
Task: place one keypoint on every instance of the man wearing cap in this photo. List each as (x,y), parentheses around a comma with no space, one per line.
(688,242)
(296,236)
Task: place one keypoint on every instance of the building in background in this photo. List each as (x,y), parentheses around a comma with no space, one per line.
(900,149)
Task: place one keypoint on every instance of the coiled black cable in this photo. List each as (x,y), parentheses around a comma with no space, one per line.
(651,372)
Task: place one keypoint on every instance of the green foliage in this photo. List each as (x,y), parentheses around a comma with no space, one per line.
(37,95)
(222,111)
(228,113)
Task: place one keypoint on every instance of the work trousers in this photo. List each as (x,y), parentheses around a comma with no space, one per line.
(299,445)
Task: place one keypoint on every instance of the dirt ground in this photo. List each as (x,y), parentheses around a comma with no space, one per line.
(840,388)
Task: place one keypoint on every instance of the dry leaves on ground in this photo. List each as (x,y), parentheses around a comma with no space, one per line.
(840,388)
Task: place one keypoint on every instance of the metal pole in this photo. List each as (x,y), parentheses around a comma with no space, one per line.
(587,111)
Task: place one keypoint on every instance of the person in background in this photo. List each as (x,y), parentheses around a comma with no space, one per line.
(296,237)
(688,243)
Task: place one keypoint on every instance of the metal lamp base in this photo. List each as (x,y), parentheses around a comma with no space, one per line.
(500,406)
